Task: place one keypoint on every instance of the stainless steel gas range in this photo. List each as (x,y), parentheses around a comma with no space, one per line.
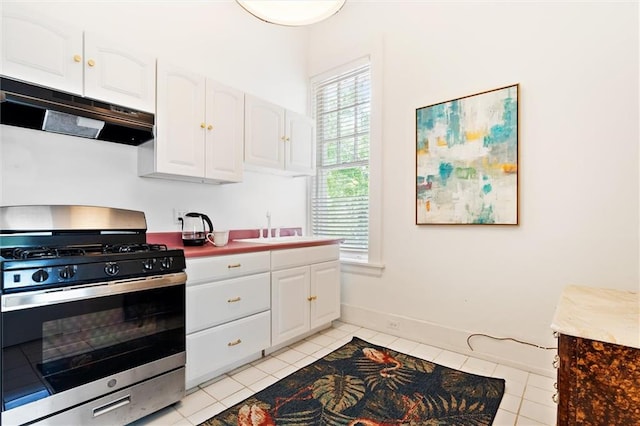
(92,318)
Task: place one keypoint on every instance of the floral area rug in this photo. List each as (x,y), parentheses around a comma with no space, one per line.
(361,384)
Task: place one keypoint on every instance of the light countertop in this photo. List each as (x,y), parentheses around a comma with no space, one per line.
(607,315)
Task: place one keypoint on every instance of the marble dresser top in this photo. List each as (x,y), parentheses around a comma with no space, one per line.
(606,315)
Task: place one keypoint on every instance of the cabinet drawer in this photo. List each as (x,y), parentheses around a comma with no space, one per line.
(222,267)
(211,350)
(289,258)
(223,301)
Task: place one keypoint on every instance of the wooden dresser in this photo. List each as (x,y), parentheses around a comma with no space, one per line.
(599,357)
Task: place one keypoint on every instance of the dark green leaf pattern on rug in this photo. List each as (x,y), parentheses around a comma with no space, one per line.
(337,393)
(361,384)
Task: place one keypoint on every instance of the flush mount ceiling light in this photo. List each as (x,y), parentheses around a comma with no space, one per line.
(292,12)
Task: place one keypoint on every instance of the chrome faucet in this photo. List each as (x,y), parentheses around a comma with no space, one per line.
(268,224)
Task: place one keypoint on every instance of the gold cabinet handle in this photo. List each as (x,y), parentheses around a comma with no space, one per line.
(234,299)
(310,298)
(237,342)
(210,127)
(283,138)
(77,58)
(287,139)
(91,62)
(203,125)
(235,265)
(555,397)
(556,361)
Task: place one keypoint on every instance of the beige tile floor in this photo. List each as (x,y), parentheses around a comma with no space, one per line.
(527,400)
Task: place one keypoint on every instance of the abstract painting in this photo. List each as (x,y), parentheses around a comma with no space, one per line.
(467,160)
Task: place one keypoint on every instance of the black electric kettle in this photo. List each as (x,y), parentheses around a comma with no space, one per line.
(194,229)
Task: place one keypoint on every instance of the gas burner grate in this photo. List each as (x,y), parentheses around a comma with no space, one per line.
(41,252)
(133,248)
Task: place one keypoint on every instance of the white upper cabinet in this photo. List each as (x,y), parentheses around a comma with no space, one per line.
(118,75)
(41,51)
(50,53)
(199,129)
(277,139)
(299,147)
(180,128)
(225,132)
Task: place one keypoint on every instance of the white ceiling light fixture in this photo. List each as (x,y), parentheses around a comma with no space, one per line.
(292,12)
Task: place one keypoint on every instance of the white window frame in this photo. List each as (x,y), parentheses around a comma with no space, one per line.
(373,263)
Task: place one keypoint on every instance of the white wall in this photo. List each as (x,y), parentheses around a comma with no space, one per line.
(577,65)
(217,39)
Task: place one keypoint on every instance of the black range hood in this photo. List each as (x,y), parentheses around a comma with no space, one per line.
(41,108)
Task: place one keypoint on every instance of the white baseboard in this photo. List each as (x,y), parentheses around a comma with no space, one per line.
(512,354)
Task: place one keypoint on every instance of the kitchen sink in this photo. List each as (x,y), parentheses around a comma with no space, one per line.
(285,240)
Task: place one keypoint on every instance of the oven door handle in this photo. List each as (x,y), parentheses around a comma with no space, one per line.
(33,299)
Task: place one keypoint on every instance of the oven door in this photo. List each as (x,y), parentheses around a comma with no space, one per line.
(64,347)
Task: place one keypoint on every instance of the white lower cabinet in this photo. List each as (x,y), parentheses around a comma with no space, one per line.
(291,289)
(210,352)
(240,305)
(305,291)
(227,313)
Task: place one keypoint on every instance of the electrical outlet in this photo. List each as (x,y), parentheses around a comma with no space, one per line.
(177,214)
(393,325)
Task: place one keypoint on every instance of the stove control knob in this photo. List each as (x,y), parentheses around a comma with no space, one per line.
(40,275)
(68,272)
(148,264)
(166,262)
(111,269)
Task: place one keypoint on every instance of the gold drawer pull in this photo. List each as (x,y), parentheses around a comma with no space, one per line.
(77,58)
(237,342)
(91,62)
(235,265)
(235,299)
(310,298)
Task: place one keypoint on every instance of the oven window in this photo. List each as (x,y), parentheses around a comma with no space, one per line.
(47,350)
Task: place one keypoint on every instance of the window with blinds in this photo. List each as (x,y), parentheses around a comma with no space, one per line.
(340,194)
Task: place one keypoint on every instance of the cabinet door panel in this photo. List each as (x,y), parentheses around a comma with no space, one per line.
(40,50)
(224,141)
(264,133)
(300,152)
(119,75)
(180,113)
(289,304)
(223,301)
(325,291)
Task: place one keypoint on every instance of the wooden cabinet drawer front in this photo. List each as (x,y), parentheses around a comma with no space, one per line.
(222,267)
(212,349)
(223,301)
(289,258)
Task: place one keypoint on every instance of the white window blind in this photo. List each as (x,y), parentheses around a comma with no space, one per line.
(340,194)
